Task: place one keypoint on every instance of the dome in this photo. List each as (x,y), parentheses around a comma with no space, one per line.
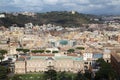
(63,42)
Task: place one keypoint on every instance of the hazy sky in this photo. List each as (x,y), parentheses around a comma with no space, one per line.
(82,6)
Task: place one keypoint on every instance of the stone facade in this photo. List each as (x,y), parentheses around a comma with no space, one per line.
(20,67)
(115,61)
(71,64)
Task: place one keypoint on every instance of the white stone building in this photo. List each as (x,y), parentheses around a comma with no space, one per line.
(44,63)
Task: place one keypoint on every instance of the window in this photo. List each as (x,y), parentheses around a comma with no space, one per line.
(85,62)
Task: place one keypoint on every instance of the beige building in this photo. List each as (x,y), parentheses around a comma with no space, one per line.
(20,67)
(44,63)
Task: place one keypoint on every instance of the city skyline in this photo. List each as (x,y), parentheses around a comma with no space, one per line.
(82,6)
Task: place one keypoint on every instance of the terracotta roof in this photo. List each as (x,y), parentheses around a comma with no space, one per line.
(71,54)
(42,54)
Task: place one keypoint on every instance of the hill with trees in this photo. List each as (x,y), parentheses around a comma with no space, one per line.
(63,18)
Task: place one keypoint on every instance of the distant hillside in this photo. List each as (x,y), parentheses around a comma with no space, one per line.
(57,18)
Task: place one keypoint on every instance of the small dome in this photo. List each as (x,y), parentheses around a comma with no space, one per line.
(63,42)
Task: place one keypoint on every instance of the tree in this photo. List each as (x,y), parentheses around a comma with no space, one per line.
(66,76)
(61,76)
(50,75)
(25,50)
(87,74)
(80,76)
(80,48)
(2,53)
(70,50)
(41,51)
(54,51)
(48,51)
(37,51)
(34,51)
(1,57)
(105,71)
(19,49)
(3,72)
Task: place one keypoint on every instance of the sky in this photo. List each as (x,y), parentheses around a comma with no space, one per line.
(82,6)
